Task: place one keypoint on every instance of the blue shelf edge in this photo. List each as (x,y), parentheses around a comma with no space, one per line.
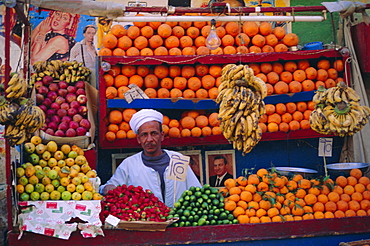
(189,104)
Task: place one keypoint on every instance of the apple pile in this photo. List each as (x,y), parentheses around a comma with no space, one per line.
(64,105)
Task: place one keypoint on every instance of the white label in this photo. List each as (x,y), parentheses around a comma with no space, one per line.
(113,220)
(325,147)
(178,167)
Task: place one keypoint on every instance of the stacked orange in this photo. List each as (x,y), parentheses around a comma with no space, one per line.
(286,117)
(292,77)
(192,124)
(189,38)
(271,197)
(165,81)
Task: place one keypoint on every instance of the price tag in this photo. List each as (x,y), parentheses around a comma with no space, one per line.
(325,147)
(112,220)
(134,93)
(178,167)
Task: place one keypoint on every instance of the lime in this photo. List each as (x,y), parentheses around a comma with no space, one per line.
(230,217)
(195,223)
(201,221)
(223,216)
(186,213)
(187,223)
(24,197)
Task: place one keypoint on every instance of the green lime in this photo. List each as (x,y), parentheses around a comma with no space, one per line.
(223,216)
(187,223)
(201,221)
(213,222)
(230,217)
(186,213)
(198,194)
(195,223)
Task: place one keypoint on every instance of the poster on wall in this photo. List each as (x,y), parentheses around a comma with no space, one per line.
(55,33)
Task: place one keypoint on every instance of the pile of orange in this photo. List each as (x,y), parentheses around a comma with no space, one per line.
(271,197)
(286,117)
(297,76)
(165,81)
(193,123)
(189,38)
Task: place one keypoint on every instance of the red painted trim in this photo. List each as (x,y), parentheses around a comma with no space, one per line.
(211,234)
(181,10)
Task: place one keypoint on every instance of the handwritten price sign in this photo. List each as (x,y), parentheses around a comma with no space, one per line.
(178,167)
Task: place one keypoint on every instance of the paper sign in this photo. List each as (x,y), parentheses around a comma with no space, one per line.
(325,147)
(178,167)
(113,220)
(134,93)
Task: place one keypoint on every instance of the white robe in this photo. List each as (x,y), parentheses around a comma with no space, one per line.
(132,171)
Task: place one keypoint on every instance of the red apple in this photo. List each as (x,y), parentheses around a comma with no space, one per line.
(82,110)
(44,127)
(49,131)
(61,112)
(53,125)
(55,106)
(80,131)
(71,132)
(55,118)
(74,104)
(62,84)
(43,90)
(80,84)
(59,133)
(85,123)
(60,100)
(62,92)
(53,87)
(52,95)
(80,91)
(47,80)
(38,84)
(73,124)
(77,117)
(82,99)
(66,119)
(47,102)
(71,89)
(39,98)
(71,111)
(50,112)
(47,120)
(64,106)
(43,107)
(63,126)
(70,97)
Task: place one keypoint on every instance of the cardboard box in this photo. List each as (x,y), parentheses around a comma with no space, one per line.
(80,141)
(51,218)
(141,225)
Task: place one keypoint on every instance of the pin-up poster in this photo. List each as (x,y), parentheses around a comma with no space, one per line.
(55,33)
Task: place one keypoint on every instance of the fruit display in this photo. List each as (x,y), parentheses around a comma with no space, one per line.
(297,76)
(268,196)
(165,81)
(200,206)
(241,97)
(193,123)
(68,71)
(133,203)
(286,117)
(338,111)
(20,114)
(55,172)
(64,105)
(189,38)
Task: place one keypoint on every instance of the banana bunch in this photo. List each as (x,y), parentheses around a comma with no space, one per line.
(8,111)
(60,70)
(28,119)
(338,111)
(241,103)
(17,87)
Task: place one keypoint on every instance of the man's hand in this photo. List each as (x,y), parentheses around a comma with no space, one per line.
(108,188)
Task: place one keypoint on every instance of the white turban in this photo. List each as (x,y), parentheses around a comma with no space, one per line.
(144,116)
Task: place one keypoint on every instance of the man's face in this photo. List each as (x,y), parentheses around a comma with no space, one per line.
(150,138)
(219,167)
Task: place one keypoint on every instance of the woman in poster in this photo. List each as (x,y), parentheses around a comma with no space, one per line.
(54,37)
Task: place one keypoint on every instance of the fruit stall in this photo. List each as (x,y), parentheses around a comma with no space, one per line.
(256,97)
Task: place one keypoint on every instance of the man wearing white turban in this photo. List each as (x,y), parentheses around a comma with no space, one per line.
(149,167)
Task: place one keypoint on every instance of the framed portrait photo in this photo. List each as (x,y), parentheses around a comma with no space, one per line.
(118,158)
(195,163)
(220,165)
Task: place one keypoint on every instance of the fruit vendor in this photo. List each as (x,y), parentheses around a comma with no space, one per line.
(149,167)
